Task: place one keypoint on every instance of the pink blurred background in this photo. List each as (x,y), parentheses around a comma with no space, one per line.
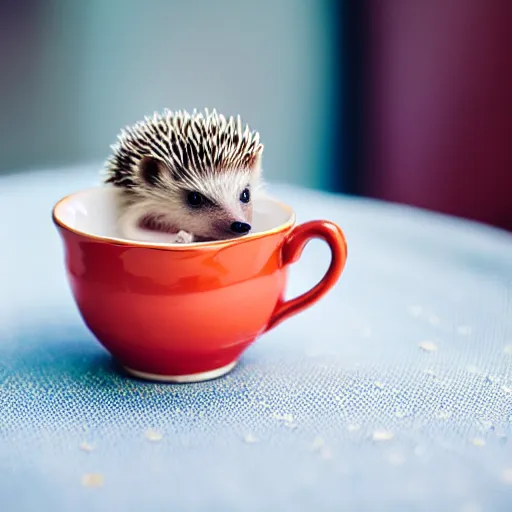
(440,114)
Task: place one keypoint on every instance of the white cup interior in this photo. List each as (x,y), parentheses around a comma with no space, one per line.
(94,212)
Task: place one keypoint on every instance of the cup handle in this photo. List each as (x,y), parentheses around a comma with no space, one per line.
(291,252)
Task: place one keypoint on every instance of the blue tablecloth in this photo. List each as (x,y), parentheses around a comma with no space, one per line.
(392,393)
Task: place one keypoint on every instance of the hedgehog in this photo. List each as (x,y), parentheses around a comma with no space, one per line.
(185,178)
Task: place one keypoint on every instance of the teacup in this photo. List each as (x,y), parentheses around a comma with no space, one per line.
(185,312)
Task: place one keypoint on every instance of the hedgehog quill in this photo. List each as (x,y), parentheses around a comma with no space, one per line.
(185,178)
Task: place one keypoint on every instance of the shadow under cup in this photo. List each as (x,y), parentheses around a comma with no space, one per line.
(185,313)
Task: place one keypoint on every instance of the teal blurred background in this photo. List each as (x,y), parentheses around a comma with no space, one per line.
(400,100)
(76,72)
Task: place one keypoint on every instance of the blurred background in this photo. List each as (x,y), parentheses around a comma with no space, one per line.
(403,100)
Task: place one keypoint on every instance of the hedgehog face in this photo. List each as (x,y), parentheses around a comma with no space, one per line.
(216,207)
(217,216)
(188,172)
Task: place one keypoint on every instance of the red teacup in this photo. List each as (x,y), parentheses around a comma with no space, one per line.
(185,313)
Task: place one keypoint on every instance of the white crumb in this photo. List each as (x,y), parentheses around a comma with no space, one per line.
(478,441)
(428,346)
(92,480)
(378,385)
(153,435)
(86,447)
(382,435)
(508,349)
(250,439)
(353,427)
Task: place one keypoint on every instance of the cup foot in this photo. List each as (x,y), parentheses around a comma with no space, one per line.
(192,377)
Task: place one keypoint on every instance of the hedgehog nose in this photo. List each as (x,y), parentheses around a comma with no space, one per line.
(240,228)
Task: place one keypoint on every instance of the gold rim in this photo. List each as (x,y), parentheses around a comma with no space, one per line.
(193,246)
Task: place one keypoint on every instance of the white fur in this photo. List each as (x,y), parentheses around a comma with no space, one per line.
(162,203)
(129,226)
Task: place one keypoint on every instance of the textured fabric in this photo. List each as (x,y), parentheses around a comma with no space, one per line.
(392,393)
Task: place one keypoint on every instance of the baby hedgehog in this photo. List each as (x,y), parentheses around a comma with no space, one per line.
(185,178)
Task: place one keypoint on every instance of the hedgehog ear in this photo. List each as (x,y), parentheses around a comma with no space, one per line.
(152,170)
(254,160)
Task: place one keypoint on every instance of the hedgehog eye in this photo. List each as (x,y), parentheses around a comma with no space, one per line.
(195,199)
(245,196)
